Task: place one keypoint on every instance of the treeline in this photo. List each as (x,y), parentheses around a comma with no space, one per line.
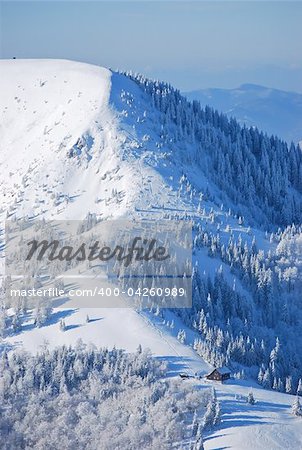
(261,174)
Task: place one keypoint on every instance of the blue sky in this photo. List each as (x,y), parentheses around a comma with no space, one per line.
(190,44)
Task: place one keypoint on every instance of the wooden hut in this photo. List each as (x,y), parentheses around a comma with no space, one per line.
(219,374)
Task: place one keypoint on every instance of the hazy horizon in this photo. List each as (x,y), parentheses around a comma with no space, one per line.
(193,45)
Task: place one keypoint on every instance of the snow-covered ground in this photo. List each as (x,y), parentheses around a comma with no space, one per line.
(71,143)
(267,425)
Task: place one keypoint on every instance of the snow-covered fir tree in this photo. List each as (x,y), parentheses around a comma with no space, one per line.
(296,407)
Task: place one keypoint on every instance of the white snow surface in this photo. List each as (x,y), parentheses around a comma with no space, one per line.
(68,138)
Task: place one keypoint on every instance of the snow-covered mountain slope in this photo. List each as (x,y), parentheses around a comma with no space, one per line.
(64,140)
(274,111)
(79,139)
(67,143)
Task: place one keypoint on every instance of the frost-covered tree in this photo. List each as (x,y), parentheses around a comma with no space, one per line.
(198,445)
(299,388)
(212,415)
(296,407)
(69,392)
(62,325)
(181,336)
(250,398)
(16,323)
(288,385)
(3,321)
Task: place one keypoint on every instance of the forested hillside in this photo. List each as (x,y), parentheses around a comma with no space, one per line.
(85,397)
(259,173)
(261,177)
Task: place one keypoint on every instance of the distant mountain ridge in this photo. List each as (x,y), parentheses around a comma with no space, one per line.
(271,110)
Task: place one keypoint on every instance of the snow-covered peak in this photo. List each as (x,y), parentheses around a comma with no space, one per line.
(70,136)
(58,135)
(58,95)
